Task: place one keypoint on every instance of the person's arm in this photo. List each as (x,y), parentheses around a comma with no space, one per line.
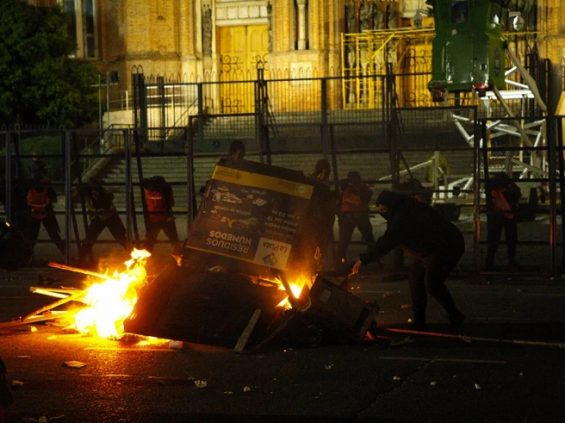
(171,197)
(389,240)
(366,194)
(381,247)
(52,194)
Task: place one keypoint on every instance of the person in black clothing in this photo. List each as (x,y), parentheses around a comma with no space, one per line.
(436,244)
(6,398)
(40,198)
(324,213)
(503,197)
(354,213)
(103,214)
(38,168)
(17,207)
(236,151)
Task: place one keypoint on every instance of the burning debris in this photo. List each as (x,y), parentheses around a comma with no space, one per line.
(104,305)
(248,276)
(257,229)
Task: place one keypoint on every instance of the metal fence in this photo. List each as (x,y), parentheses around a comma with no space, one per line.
(421,143)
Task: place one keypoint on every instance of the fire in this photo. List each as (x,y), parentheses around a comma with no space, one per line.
(296,285)
(109,303)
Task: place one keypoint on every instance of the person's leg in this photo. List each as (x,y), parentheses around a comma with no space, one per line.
(366,229)
(346,227)
(494,231)
(31,230)
(436,276)
(511,236)
(118,230)
(52,227)
(151,232)
(92,233)
(170,230)
(418,294)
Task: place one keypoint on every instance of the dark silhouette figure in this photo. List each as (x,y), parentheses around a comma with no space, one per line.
(503,197)
(159,200)
(40,198)
(435,243)
(6,398)
(38,168)
(103,214)
(236,151)
(354,213)
(17,206)
(323,213)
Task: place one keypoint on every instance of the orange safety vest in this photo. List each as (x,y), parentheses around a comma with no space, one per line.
(500,203)
(38,201)
(351,201)
(157,207)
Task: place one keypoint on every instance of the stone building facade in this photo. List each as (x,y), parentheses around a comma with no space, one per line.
(228,39)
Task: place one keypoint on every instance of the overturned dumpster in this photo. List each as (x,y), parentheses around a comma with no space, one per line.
(250,265)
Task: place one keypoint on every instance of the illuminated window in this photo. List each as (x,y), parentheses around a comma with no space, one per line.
(82,25)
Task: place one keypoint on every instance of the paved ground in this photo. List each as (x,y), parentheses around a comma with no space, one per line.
(508,367)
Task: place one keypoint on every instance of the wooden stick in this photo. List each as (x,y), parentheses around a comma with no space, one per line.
(72,297)
(31,319)
(244,337)
(469,339)
(77,270)
(53,292)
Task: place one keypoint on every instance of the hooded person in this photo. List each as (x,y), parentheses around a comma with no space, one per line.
(159,201)
(354,213)
(435,243)
(503,198)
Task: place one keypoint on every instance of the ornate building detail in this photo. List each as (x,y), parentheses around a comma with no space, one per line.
(302,13)
(207,30)
(237,12)
(270,25)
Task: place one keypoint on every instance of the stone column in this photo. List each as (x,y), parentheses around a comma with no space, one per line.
(302,24)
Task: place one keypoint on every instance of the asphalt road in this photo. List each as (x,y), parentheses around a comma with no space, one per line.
(492,374)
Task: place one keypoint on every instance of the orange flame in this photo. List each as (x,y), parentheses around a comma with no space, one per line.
(109,303)
(296,285)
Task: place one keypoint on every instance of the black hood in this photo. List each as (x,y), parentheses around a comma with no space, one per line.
(392,201)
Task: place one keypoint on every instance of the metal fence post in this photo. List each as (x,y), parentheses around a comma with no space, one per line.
(561,166)
(479,132)
(551,152)
(162,105)
(324,117)
(201,112)
(191,195)
(8,176)
(68,194)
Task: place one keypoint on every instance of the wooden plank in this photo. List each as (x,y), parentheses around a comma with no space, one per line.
(242,341)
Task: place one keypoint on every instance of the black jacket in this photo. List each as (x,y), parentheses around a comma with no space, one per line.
(416,227)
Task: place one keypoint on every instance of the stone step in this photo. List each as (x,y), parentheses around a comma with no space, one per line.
(371,166)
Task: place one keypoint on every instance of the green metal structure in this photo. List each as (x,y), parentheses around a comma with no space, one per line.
(468,50)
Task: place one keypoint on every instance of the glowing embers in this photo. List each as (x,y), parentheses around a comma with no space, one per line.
(110,302)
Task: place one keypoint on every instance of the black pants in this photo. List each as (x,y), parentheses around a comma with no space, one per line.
(97,225)
(168,226)
(429,277)
(347,224)
(495,224)
(51,226)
